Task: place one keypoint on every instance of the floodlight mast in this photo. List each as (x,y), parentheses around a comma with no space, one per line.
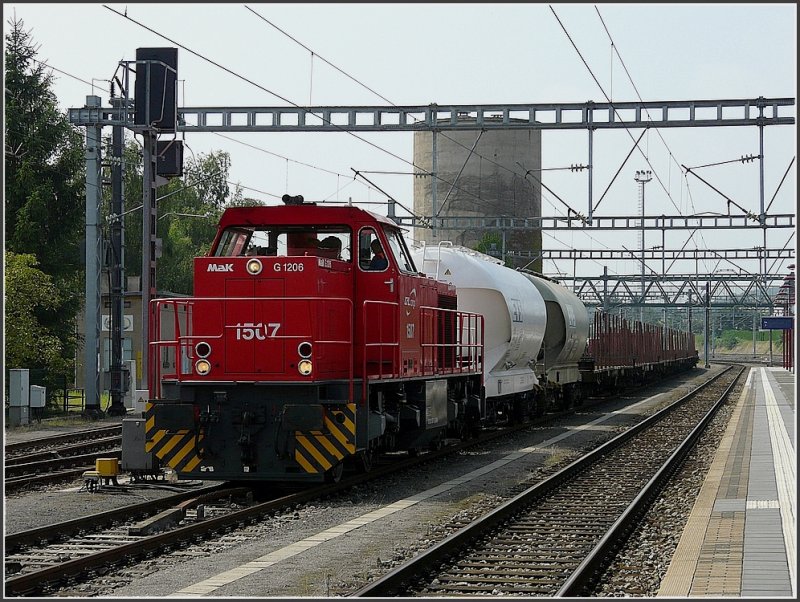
(642,177)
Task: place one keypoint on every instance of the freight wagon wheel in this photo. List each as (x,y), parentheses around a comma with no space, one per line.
(437,443)
(334,474)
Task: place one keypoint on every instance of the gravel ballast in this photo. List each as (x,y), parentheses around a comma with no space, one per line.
(340,566)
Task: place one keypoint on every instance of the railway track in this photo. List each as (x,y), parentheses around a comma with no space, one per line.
(44,444)
(554,538)
(44,559)
(745,359)
(49,460)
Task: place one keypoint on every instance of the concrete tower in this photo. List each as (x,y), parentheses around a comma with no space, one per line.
(488,182)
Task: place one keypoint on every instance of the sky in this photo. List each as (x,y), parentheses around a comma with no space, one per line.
(471,53)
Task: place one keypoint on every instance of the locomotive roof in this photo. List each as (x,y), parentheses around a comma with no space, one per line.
(306,213)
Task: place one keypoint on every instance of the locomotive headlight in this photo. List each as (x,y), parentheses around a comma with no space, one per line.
(202,367)
(304,367)
(254,266)
(304,349)
(202,349)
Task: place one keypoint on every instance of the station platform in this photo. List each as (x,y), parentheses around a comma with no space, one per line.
(741,537)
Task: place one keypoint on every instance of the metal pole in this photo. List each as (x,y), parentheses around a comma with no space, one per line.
(708,305)
(642,177)
(641,309)
(770,348)
(93,266)
(434,185)
(761,216)
(148,246)
(663,260)
(591,165)
(118,381)
(754,333)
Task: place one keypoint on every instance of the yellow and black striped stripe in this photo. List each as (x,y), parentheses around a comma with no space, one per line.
(318,451)
(177,450)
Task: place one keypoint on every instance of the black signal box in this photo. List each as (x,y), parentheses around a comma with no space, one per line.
(169,160)
(155,102)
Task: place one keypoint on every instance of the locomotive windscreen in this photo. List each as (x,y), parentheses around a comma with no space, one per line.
(333,242)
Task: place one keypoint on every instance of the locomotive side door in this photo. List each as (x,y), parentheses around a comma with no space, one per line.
(376,310)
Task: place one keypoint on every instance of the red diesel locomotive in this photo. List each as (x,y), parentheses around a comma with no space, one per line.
(311,340)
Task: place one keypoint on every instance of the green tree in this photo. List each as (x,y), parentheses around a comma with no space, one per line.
(247,202)
(44,187)
(492,244)
(30,294)
(187,216)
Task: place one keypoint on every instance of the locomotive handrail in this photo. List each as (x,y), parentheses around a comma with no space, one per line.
(473,345)
(395,345)
(475,360)
(439,256)
(180,342)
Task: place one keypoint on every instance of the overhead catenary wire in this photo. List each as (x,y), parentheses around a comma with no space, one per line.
(471,151)
(261,87)
(615,50)
(786,173)
(276,95)
(385,99)
(602,90)
(93,85)
(743,159)
(283,157)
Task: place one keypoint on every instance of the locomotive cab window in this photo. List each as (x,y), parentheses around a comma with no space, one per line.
(375,258)
(332,242)
(399,250)
(372,255)
(232,242)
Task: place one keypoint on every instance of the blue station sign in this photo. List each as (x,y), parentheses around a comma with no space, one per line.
(777,323)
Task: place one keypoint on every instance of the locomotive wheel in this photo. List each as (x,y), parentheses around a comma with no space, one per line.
(334,474)
(364,460)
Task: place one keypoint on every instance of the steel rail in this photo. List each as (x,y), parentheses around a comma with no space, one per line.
(63,438)
(400,579)
(63,452)
(597,559)
(15,471)
(13,485)
(68,528)
(34,582)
